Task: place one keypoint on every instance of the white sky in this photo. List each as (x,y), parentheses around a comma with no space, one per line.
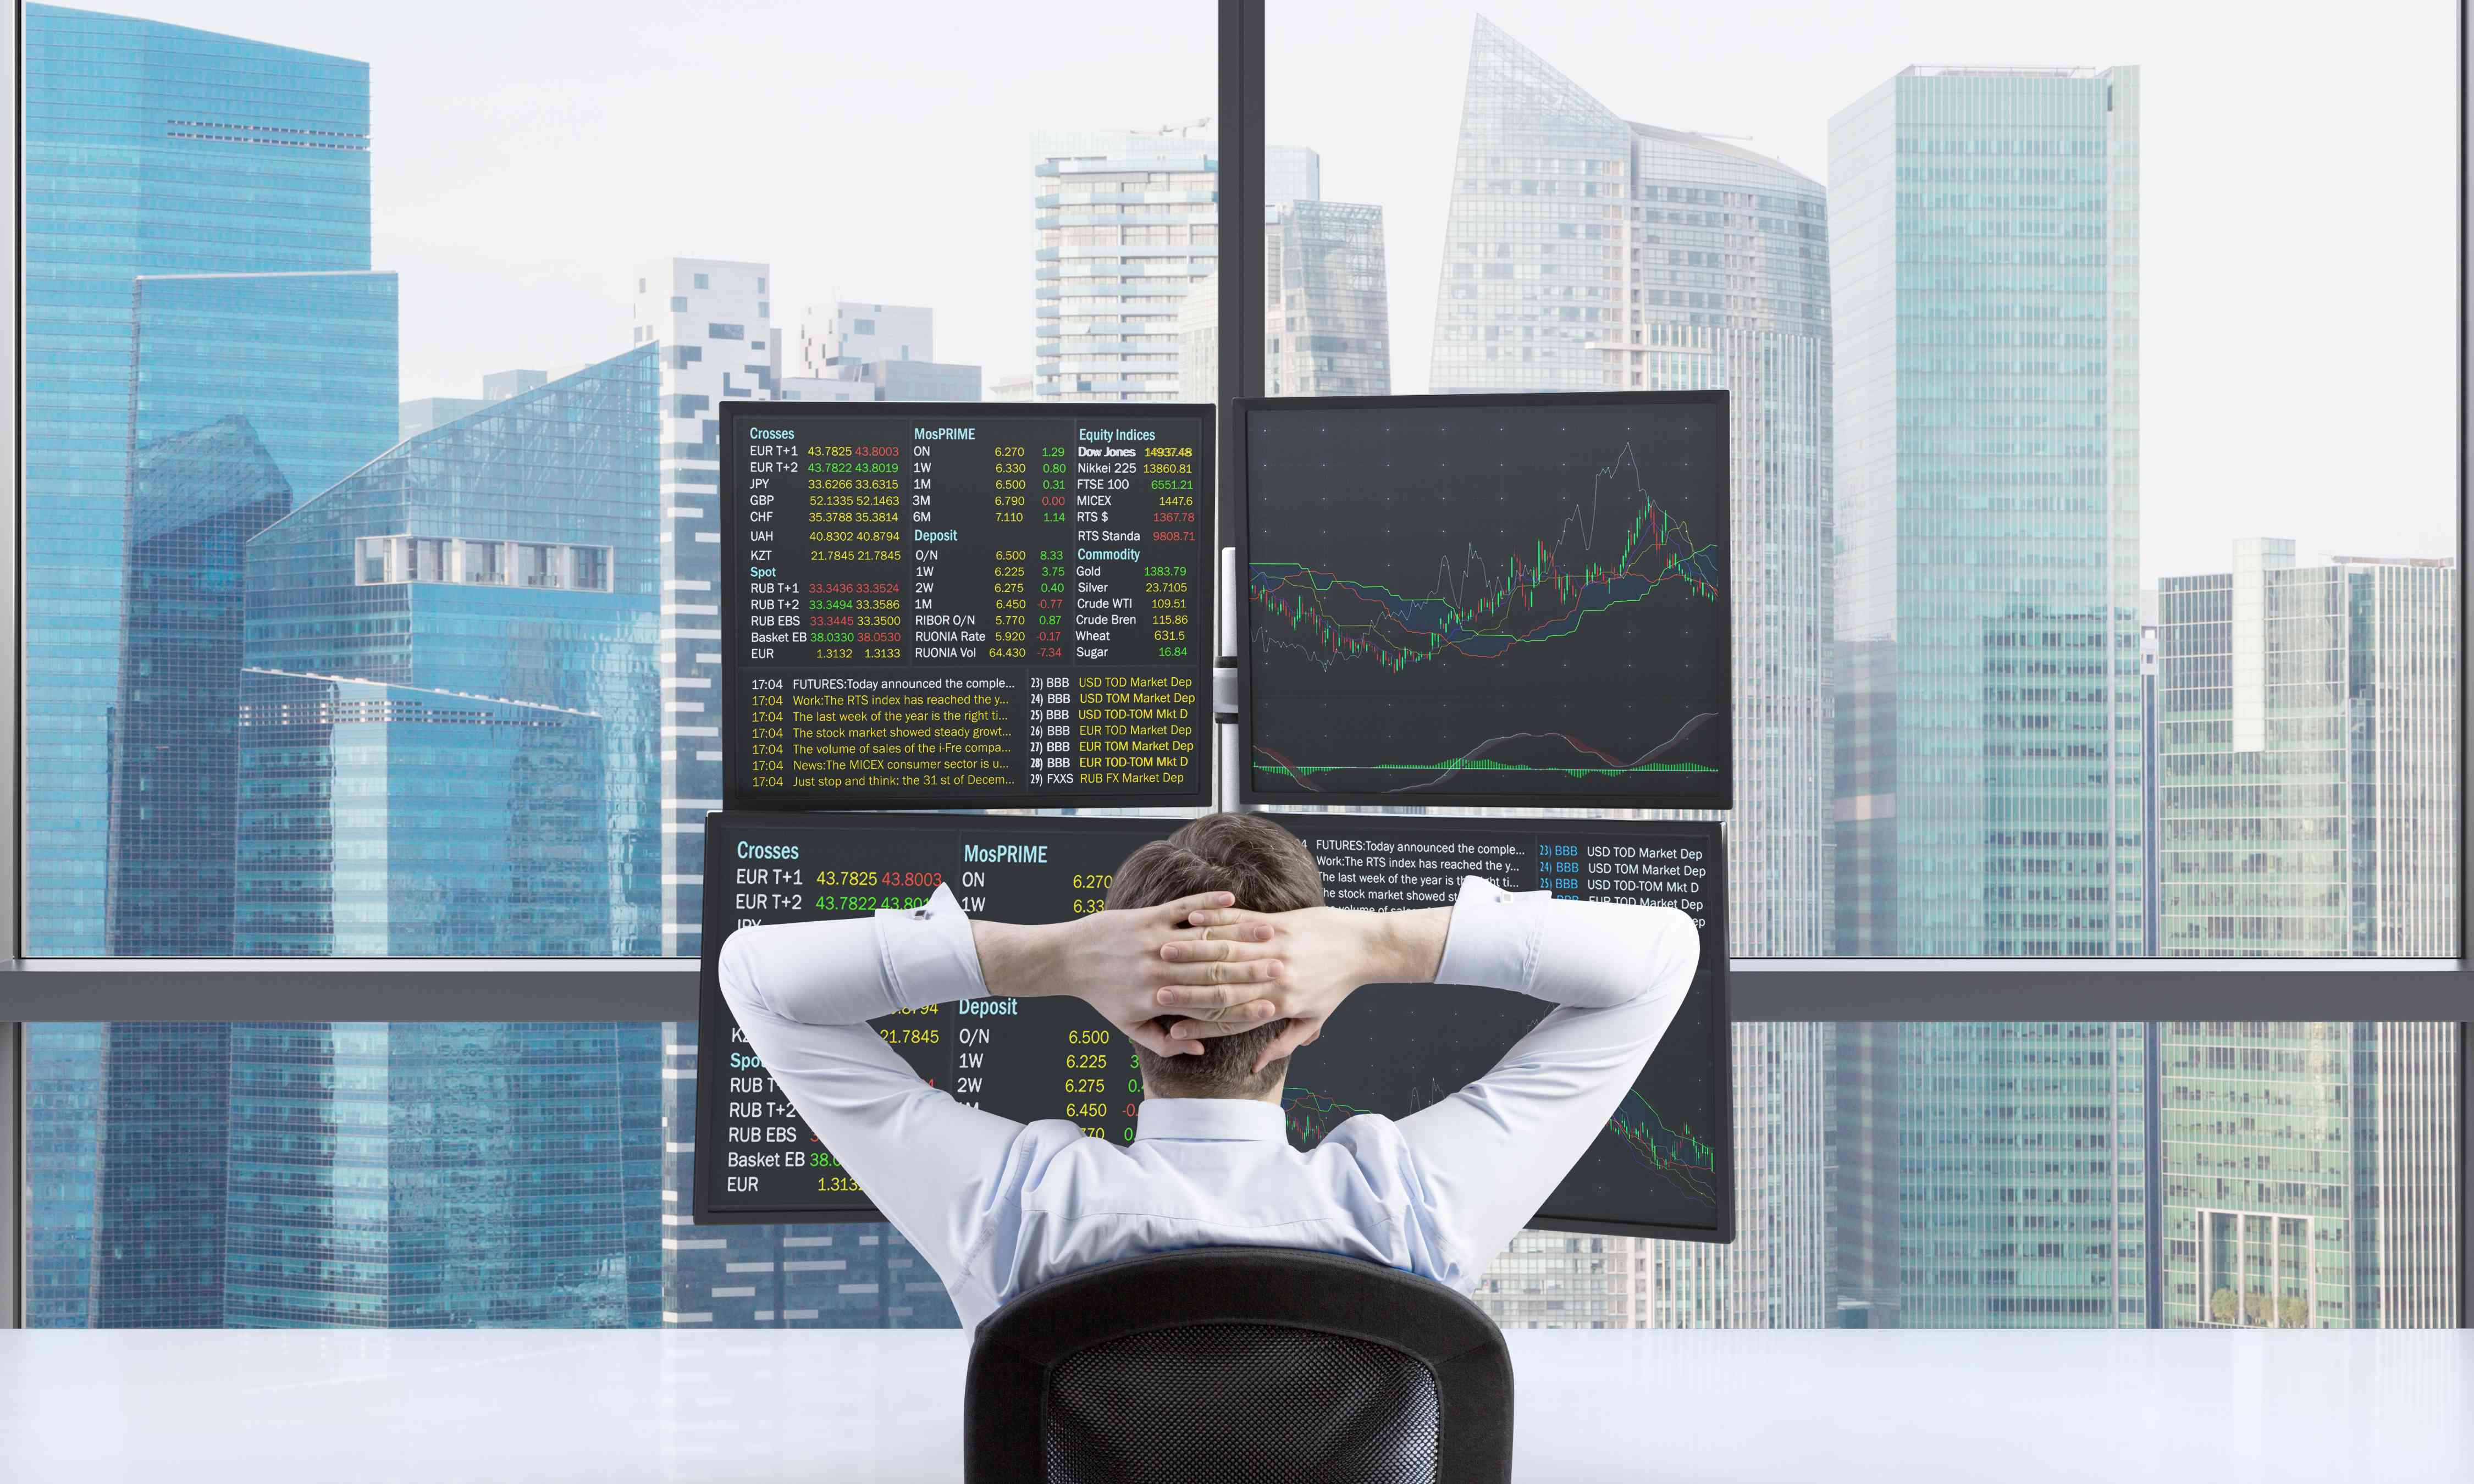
(2299,275)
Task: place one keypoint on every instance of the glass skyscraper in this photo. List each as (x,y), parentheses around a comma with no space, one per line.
(1984,264)
(1127,223)
(1326,307)
(2307,758)
(2309,1174)
(148,149)
(247,389)
(449,719)
(1587,254)
(707,326)
(1984,257)
(2306,806)
(1328,303)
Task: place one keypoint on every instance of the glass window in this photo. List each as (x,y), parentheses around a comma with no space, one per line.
(588,568)
(2172,1175)
(537,565)
(484,562)
(2032,683)
(301,358)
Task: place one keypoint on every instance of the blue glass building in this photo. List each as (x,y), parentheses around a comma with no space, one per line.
(443,1175)
(1990,798)
(451,723)
(63,1124)
(245,389)
(147,149)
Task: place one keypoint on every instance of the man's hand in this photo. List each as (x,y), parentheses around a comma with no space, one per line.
(1115,959)
(1325,953)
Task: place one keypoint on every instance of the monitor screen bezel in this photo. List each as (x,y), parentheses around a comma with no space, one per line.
(1238,521)
(1200,663)
(709,1012)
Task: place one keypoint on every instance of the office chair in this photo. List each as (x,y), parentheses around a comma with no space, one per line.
(1247,1365)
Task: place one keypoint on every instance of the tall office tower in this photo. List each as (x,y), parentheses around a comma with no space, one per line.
(1989,577)
(1290,174)
(713,321)
(711,326)
(862,352)
(859,352)
(421,413)
(436,1175)
(1127,223)
(1581,253)
(1326,301)
(850,333)
(2308,757)
(64,1114)
(465,630)
(1327,310)
(159,1187)
(1989,767)
(1993,1175)
(2307,771)
(148,149)
(1198,340)
(1559,1281)
(2308,1178)
(245,388)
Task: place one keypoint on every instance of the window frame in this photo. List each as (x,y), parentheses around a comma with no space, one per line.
(1763,989)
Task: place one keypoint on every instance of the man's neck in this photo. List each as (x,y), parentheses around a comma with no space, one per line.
(1273,1096)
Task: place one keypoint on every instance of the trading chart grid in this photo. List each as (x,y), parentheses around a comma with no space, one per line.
(1472,601)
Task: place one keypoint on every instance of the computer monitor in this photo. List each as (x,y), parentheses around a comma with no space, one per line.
(1663,1167)
(1458,601)
(964,604)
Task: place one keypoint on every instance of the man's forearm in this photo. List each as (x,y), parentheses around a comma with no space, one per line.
(1406,948)
(1020,960)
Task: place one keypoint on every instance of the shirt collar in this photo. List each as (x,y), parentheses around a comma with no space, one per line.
(1210,1117)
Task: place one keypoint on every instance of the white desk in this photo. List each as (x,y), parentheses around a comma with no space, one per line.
(843,1407)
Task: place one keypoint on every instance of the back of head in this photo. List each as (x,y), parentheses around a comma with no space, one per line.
(1268,870)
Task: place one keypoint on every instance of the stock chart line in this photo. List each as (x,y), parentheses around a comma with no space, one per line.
(1312,1115)
(1588,760)
(1684,1157)
(1478,612)
(1681,1156)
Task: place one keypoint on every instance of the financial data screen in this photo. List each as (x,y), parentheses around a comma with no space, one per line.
(1471,601)
(1663,1164)
(960,604)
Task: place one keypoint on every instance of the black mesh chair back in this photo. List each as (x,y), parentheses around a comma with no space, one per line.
(1238,1365)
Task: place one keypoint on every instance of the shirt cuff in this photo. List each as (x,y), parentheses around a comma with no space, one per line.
(927,953)
(1492,942)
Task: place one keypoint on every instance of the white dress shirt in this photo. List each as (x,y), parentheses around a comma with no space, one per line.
(997,1207)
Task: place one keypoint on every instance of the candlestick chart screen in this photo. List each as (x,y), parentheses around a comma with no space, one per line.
(1463,601)
(1662,1167)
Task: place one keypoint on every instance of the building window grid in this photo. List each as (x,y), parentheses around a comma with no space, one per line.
(563,567)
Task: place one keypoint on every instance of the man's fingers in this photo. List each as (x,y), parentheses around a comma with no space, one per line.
(1226,916)
(1193,989)
(1229,1022)
(1298,1032)
(1231,976)
(1234,942)
(1148,1037)
(1173,913)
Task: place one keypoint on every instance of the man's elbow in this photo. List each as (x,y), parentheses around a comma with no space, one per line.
(736,969)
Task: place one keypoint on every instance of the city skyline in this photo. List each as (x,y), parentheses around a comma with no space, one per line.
(547,278)
(594,755)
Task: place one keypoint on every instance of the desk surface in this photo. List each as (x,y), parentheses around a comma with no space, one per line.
(620,1407)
